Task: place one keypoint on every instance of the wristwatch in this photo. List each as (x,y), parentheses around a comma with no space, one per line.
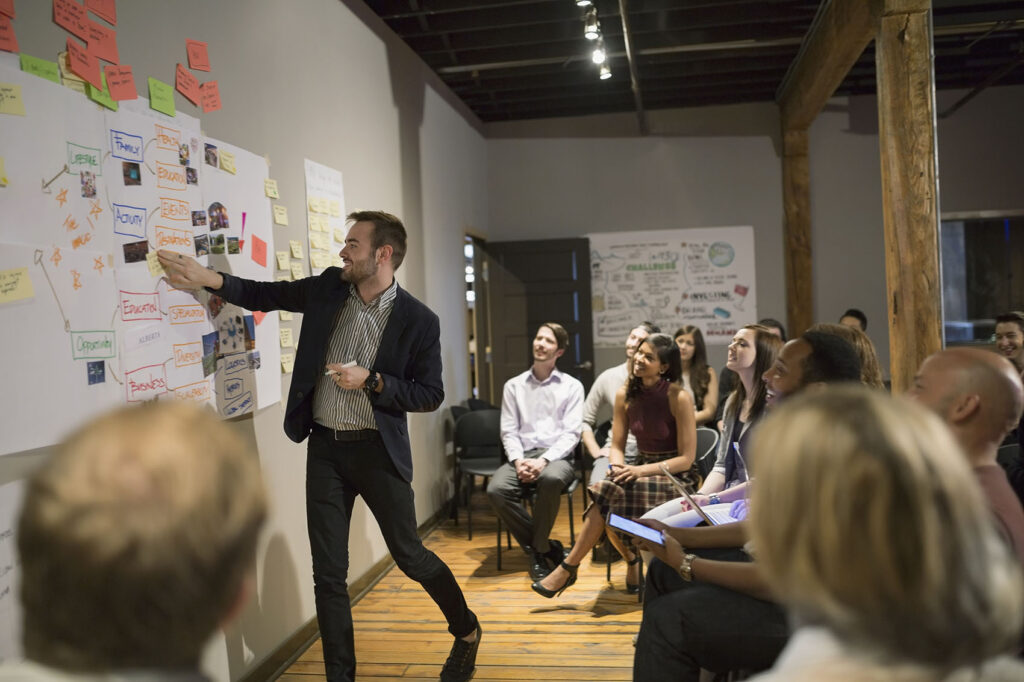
(371,381)
(686,567)
(713,498)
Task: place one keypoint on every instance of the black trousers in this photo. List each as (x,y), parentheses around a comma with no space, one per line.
(336,473)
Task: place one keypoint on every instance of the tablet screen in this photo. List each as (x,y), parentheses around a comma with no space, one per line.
(634,528)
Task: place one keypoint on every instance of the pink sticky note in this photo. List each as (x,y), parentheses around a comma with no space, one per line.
(103,42)
(258,316)
(84,64)
(121,83)
(8,41)
(198,58)
(7,7)
(104,9)
(187,84)
(210,93)
(70,16)
(259,251)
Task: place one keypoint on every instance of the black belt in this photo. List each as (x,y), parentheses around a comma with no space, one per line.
(349,435)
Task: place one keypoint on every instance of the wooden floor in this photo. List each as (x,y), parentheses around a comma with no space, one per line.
(586,634)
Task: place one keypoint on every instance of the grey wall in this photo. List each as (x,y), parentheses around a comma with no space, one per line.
(324,80)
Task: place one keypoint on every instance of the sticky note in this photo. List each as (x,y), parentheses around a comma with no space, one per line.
(155,269)
(296,247)
(40,67)
(280,214)
(285,315)
(102,95)
(297,271)
(186,84)
(283,261)
(258,316)
(104,9)
(259,251)
(15,285)
(121,82)
(283,277)
(3,173)
(319,260)
(7,7)
(339,236)
(70,80)
(10,99)
(287,362)
(84,63)
(286,337)
(161,96)
(8,41)
(270,188)
(70,16)
(198,57)
(227,161)
(210,94)
(335,208)
(103,42)
(314,204)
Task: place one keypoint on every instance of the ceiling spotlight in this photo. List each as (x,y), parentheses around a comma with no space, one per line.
(591,29)
(598,55)
(584,3)
(606,73)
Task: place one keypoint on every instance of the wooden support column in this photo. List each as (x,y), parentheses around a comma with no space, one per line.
(910,205)
(796,198)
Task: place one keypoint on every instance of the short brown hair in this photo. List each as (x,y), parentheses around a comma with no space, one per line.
(387,230)
(561,335)
(136,538)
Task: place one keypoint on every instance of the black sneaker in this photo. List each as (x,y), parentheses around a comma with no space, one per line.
(461,663)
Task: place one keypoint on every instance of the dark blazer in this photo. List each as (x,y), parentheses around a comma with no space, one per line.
(409,356)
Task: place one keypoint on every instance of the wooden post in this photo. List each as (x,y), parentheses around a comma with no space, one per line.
(796,198)
(906,116)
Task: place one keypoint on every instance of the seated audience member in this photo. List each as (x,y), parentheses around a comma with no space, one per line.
(1009,338)
(659,413)
(905,583)
(602,394)
(854,318)
(870,372)
(541,420)
(137,541)
(980,397)
(699,380)
(707,606)
(727,378)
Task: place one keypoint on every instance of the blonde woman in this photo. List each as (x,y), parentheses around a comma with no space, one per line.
(892,570)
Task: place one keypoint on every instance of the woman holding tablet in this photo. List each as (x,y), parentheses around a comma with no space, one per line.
(656,409)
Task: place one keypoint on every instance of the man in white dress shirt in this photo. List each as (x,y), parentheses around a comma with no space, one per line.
(541,421)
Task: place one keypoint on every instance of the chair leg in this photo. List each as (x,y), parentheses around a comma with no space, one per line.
(499,543)
(572,523)
(454,513)
(469,508)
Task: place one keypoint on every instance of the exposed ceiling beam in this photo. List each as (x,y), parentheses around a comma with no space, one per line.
(634,78)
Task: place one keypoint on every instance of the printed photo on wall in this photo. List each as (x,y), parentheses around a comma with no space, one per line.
(202,242)
(233,247)
(250,332)
(212,158)
(183,154)
(135,252)
(215,304)
(218,216)
(217,244)
(198,218)
(132,173)
(192,176)
(88,184)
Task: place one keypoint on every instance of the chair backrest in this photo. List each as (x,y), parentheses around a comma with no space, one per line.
(477,404)
(603,432)
(707,445)
(478,435)
(1008,454)
(457,411)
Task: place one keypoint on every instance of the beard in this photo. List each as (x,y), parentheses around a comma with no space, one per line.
(359,271)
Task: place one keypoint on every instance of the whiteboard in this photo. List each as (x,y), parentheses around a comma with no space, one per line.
(700,276)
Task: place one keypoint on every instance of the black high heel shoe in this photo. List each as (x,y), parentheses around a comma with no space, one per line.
(637,588)
(571,580)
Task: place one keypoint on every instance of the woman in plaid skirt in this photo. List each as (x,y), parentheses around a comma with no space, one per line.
(656,409)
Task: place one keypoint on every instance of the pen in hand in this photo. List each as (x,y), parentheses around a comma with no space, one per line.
(350,363)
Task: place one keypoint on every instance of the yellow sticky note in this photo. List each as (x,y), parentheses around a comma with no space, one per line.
(3,173)
(284,277)
(339,236)
(296,247)
(335,208)
(319,260)
(297,271)
(280,214)
(15,285)
(286,337)
(287,362)
(227,161)
(155,269)
(270,188)
(284,315)
(282,260)
(313,203)
(10,99)
(318,240)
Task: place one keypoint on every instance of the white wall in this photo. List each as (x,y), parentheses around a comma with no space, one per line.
(321,79)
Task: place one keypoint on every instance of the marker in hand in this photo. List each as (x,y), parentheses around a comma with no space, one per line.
(350,363)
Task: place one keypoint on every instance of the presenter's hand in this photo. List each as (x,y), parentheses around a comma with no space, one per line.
(624,473)
(185,272)
(349,378)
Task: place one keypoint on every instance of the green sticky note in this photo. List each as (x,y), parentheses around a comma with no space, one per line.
(161,97)
(40,67)
(101,96)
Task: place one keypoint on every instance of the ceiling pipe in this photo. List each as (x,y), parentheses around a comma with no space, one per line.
(634,79)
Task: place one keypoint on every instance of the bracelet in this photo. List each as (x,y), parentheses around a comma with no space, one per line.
(713,498)
(686,567)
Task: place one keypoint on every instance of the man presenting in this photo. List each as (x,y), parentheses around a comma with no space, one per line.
(370,353)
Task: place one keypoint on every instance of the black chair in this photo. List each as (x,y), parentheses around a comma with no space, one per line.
(478,452)
(475,404)
(707,446)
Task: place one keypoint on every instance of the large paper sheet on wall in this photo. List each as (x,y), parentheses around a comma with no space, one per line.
(701,276)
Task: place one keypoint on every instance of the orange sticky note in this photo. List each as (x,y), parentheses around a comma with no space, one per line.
(259,251)
(84,64)
(8,41)
(121,83)
(187,84)
(198,58)
(103,42)
(7,7)
(210,93)
(104,9)
(70,16)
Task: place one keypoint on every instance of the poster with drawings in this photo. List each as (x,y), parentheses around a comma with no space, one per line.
(701,276)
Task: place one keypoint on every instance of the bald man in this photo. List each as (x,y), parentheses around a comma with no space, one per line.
(980,397)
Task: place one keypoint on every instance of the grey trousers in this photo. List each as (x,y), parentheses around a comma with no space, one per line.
(506,495)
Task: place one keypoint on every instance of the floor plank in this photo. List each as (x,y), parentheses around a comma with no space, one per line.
(586,634)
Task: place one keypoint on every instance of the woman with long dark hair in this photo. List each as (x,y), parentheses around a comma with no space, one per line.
(698,378)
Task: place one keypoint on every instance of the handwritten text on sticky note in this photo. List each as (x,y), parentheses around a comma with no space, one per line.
(15,285)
